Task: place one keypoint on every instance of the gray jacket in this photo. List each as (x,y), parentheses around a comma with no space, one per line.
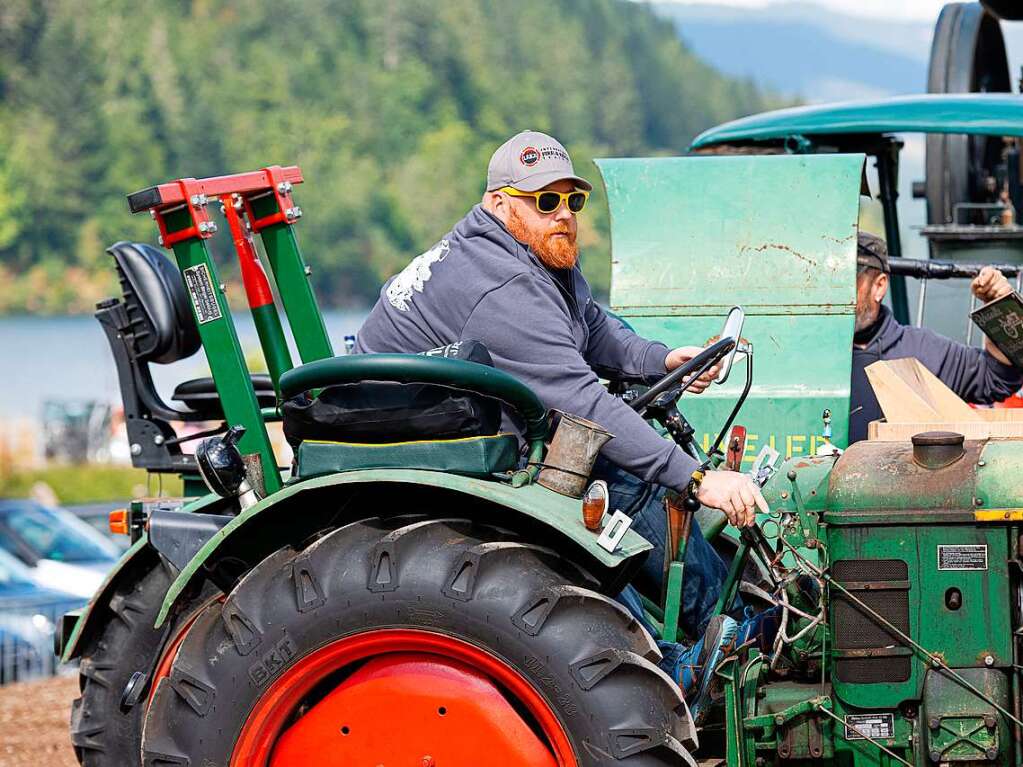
(480,283)
(971,373)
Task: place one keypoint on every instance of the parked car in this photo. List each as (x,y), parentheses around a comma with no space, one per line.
(63,552)
(28,615)
(97,516)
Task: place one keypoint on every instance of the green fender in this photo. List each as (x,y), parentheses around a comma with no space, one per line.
(139,558)
(292,514)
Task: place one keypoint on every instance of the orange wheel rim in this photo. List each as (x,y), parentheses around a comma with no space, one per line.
(418,698)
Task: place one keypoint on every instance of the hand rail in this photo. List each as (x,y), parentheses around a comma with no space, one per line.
(926,269)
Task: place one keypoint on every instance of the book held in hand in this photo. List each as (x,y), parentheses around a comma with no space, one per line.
(1002,321)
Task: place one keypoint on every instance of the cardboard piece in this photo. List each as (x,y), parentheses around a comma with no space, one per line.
(1001,320)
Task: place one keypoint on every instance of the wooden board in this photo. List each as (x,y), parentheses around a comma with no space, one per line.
(940,397)
(997,423)
(909,393)
(898,400)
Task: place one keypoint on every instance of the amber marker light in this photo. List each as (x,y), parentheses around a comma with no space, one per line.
(595,502)
(118,521)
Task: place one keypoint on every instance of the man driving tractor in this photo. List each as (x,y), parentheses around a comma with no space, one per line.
(507,275)
(979,376)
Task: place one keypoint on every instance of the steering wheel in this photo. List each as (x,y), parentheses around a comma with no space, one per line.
(670,387)
(659,401)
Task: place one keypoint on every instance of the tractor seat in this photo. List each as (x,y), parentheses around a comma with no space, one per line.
(200,395)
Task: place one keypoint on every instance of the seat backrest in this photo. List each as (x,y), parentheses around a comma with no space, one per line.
(163,327)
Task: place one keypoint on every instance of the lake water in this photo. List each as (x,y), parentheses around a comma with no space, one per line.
(68,358)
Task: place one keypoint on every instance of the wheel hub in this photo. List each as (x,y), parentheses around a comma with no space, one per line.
(411,709)
(419,699)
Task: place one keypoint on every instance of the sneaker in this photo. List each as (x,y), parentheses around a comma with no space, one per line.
(695,667)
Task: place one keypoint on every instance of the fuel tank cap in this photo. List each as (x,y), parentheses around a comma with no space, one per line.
(937,449)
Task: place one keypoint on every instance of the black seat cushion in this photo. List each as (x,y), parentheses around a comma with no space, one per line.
(200,395)
(164,329)
(378,412)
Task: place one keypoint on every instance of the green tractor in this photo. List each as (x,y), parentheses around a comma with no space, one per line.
(436,603)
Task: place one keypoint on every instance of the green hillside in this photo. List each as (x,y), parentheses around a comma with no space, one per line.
(391,107)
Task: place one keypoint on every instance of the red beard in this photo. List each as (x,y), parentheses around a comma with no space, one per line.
(555,252)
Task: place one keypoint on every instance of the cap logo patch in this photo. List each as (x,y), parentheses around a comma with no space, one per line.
(530,156)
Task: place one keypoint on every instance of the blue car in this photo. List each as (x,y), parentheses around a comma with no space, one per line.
(63,552)
(28,617)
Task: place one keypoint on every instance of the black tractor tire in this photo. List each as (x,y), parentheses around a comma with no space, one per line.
(102,733)
(589,659)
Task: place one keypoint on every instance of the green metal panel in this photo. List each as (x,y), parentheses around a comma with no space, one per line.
(224,353)
(979,627)
(693,236)
(998,477)
(557,511)
(292,277)
(958,720)
(987,114)
(272,342)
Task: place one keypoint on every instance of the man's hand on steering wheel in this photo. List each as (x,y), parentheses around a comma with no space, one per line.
(683,354)
(735,494)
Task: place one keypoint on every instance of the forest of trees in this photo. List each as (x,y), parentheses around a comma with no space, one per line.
(391,107)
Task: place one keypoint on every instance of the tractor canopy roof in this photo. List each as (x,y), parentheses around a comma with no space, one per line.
(974,113)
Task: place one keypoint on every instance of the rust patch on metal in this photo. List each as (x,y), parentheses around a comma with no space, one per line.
(883,475)
(778,246)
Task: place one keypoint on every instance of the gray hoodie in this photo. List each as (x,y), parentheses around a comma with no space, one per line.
(540,325)
(970,372)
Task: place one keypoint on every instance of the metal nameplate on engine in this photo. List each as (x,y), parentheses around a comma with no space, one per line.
(863,726)
(966,556)
(200,288)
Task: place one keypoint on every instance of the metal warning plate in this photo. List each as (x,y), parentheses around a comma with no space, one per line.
(863,726)
(967,556)
(200,288)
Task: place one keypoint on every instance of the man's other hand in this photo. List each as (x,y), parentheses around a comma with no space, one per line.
(990,285)
(683,354)
(733,493)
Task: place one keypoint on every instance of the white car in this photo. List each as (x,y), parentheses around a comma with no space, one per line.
(63,552)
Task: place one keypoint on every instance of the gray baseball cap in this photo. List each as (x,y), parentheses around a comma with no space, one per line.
(872,251)
(530,161)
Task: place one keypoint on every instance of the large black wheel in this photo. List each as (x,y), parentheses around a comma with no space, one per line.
(436,641)
(967,56)
(1010,10)
(104,731)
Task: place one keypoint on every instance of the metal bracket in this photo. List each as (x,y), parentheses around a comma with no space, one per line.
(614,531)
(195,202)
(287,211)
(764,465)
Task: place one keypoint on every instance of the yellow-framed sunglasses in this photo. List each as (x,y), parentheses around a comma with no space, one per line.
(548,201)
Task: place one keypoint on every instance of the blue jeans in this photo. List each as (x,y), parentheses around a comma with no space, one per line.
(705,570)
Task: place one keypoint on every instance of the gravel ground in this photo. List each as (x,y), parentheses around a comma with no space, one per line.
(34,723)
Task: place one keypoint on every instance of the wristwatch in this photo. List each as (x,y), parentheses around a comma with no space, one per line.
(694,482)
